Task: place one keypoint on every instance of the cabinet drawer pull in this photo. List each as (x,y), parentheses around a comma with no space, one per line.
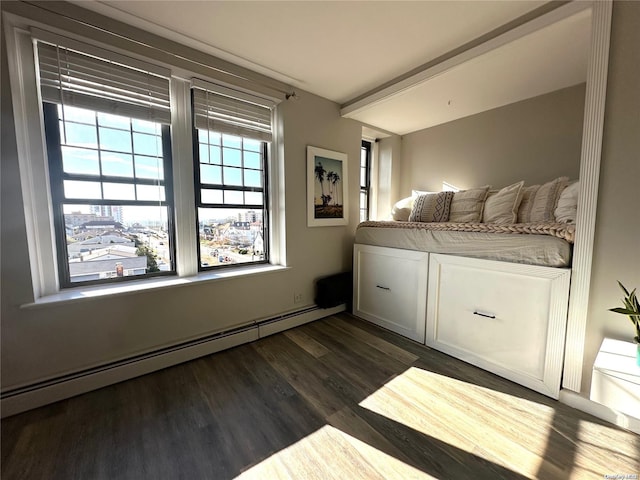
(488,315)
(383,288)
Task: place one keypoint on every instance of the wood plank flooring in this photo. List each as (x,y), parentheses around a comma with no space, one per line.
(335,399)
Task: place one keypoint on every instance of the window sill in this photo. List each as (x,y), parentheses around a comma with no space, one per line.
(73,295)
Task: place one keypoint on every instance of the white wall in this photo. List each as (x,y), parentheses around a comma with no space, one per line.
(535,140)
(43,342)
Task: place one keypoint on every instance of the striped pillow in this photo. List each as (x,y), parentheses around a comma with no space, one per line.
(467,205)
(539,201)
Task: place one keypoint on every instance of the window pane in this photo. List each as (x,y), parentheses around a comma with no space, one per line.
(363,177)
(80,160)
(253,198)
(79,135)
(253,145)
(118,140)
(147,144)
(232,176)
(252,160)
(233,197)
(232,157)
(205,136)
(211,196)
(150,192)
(149,167)
(115,121)
(230,236)
(76,189)
(74,114)
(110,241)
(231,141)
(203,153)
(118,191)
(210,174)
(215,155)
(253,178)
(117,164)
(209,154)
(145,126)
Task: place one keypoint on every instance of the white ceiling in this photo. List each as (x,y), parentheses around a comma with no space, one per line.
(342,50)
(543,61)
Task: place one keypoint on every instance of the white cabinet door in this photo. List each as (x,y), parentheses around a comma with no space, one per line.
(390,288)
(507,318)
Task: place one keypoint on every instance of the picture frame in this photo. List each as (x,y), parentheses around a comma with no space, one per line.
(327,192)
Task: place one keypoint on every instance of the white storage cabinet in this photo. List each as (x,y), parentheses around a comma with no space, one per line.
(390,288)
(507,318)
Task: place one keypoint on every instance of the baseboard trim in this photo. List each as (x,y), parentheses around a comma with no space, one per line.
(290,321)
(603,412)
(43,393)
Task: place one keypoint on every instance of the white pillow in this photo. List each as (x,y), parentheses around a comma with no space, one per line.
(467,205)
(567,208)
(402,209)
(502,206)
(417,193)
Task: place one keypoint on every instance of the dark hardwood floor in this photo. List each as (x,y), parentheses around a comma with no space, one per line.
(335,399)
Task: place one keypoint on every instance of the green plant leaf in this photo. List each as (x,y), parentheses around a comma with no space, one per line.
(626,292)
(625,311)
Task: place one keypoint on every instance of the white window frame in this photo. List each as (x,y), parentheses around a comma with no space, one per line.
(34,177)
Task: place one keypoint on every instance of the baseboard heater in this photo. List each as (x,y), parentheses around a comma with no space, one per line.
(52,390)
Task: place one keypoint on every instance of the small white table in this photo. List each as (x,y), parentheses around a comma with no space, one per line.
(616,377)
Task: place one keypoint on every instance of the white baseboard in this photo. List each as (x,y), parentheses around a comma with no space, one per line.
(279,325)
(603,412)
(65,387)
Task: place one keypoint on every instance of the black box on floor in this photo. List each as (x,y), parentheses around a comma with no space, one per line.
(334,290)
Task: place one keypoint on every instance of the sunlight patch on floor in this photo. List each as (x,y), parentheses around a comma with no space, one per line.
(329,453)
(475,419)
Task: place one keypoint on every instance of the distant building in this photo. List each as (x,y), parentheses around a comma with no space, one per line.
(97,242)
(76,219)
(99,269)
(113,211)
(107,262)
(108,224)
(250,216)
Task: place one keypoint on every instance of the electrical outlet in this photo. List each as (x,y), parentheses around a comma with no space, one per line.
(297,297)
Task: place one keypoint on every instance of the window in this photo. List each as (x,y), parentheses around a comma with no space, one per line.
(108,147)
(231,149)
(365,180)
(115,181)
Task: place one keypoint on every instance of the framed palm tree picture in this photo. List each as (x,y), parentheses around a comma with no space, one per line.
(327,195)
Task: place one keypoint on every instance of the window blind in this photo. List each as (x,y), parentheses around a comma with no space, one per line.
(88,77)
(222,109)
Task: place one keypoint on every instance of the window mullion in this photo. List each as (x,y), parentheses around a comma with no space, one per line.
(183,174)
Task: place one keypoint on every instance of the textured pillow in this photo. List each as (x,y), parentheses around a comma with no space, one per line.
(467,205)
(502,206)
(402,209)
(526,204)
(433,207)
(546,200)
(567,208)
